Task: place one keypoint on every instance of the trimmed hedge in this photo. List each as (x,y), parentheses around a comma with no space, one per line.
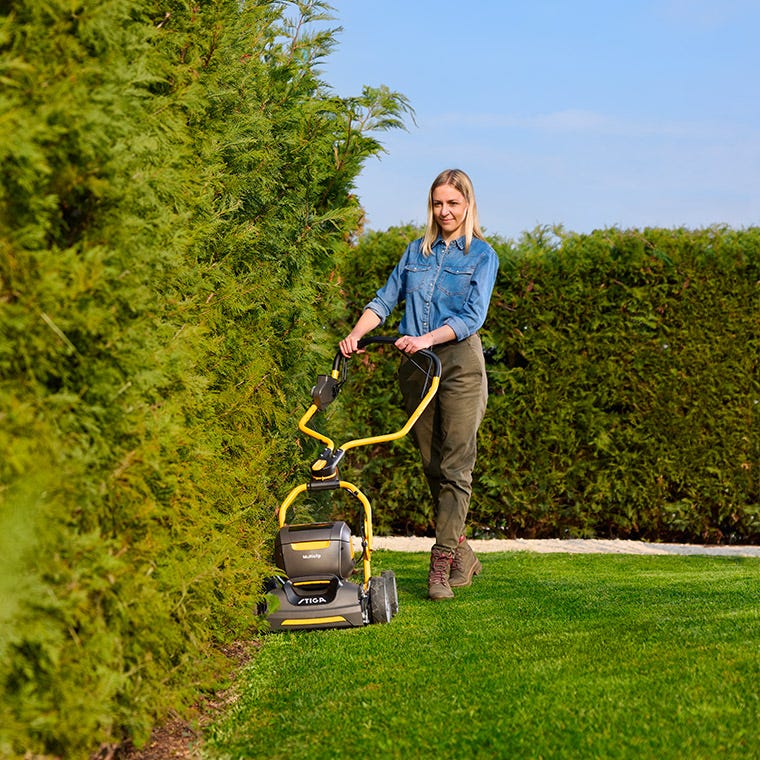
(624,388)
(174,181)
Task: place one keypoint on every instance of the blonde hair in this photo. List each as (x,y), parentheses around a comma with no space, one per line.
(461,182)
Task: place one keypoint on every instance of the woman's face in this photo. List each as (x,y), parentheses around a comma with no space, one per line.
(449,210)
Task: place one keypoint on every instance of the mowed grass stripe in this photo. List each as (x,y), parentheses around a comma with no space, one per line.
(544,656)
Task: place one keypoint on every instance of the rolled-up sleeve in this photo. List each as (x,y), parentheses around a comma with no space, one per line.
(388,297)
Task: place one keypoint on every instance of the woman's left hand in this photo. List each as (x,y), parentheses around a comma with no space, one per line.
(410,344)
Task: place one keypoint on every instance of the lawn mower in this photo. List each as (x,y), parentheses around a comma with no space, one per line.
(318,559)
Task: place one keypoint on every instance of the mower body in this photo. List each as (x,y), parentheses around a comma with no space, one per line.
(316,603)
(317,559)
(315,549)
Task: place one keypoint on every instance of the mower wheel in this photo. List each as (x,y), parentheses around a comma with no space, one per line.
(379,600)
(390,582)
(262,607)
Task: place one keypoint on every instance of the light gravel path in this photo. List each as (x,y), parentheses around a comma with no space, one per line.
(570,546)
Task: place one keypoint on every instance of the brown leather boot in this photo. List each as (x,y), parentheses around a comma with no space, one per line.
(438,579)
(464,566)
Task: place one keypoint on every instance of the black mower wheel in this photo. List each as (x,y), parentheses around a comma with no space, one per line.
(390,582)
(262,608)
(379,600)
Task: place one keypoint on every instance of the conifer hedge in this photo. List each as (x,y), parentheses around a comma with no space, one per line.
(174,182)
(624,374)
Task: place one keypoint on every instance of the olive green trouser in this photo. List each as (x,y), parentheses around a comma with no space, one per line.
(446,433)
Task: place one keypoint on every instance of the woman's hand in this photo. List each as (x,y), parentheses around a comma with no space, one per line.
(350,345)
(410,344)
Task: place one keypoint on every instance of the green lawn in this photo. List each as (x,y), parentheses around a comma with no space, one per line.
(545,656)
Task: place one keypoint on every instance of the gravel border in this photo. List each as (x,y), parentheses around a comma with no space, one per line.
(570,546)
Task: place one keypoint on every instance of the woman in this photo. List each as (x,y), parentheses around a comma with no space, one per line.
(445,280)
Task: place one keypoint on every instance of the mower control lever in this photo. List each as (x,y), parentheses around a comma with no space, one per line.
(325,391)
(388,340)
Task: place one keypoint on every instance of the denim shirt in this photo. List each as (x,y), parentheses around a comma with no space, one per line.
(448,287)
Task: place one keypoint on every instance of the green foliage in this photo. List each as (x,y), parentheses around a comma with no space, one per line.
(624,392)
(175,180)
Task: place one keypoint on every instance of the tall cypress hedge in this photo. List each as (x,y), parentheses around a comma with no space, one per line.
(174,182)
(624,374)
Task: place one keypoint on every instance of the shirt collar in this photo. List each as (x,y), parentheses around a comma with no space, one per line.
(459,242)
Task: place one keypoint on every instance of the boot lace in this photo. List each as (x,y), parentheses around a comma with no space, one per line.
(440,568)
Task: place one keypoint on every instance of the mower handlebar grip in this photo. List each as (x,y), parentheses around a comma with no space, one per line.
(390,340)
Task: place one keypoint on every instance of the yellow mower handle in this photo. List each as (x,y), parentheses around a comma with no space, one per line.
(324,471)
(335,375)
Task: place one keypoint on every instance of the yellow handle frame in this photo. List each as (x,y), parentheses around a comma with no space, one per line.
(303,426)
(367,511)
(368,441)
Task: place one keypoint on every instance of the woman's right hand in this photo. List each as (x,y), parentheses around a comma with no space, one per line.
(350,345)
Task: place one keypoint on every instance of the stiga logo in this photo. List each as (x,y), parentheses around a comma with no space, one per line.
(312,600)
(311,556)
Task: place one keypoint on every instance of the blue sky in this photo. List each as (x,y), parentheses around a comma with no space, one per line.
(585,113)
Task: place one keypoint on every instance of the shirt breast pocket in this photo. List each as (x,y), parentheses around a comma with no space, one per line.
(416,276)
(455,281)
